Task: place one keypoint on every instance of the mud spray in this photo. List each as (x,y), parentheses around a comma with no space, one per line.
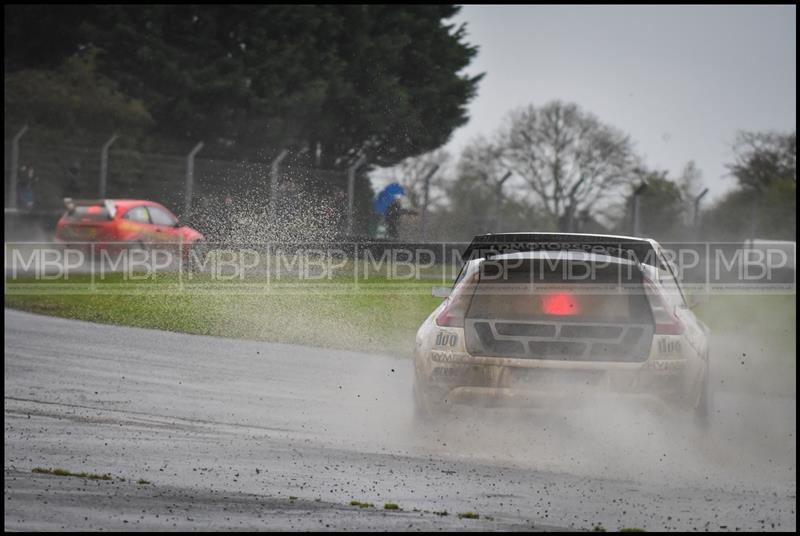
(751,444)
(751,441)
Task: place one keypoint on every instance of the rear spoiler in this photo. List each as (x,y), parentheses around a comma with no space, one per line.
(639,250)
(70,204)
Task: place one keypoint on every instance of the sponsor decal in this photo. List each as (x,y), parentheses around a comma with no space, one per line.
(446,356)
(667,364)
(669,346)
(447,373)
(444,338)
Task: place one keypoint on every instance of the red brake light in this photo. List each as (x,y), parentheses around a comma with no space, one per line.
(666,321)
(455,308)
(449,317)
(560,305)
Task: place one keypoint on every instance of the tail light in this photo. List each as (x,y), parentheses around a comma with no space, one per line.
(561,304)
(455,308)
(59,229)
(663,314)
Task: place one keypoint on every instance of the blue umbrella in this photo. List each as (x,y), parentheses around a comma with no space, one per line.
(386,197)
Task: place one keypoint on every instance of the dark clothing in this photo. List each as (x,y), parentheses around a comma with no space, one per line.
(393,219)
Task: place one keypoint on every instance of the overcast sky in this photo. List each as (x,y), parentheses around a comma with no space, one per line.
(680,80)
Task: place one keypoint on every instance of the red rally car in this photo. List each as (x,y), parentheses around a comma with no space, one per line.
(118,223)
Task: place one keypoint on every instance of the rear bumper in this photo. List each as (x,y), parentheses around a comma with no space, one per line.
(551,400)
(655,384)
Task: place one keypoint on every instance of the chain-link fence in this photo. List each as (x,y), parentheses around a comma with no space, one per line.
(46,174)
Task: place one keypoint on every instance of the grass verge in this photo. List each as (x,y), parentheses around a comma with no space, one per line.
(64,472)
(375,315)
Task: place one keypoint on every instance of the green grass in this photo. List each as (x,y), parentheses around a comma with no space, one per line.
(768,318)
(469,515)
(753,343)
(64,472)
(390,506)
(361,504)
(377,315)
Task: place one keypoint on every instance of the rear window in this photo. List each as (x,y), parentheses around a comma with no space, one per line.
(89,213)
(138,214)
(571,291)
(159,216)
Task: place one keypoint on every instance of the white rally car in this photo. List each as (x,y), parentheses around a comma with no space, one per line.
(550,320)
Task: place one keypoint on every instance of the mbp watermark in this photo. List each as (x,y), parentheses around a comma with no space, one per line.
(716,267)
(43,263)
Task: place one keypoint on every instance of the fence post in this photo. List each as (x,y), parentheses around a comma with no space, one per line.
(637,194)
(351,183)
(697,199)
(274,174)
(187,201)
(104,165)
(424,216)
(12,193)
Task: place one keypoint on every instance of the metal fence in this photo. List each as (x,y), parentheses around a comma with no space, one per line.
(39,176)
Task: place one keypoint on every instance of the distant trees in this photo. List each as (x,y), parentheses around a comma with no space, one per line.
(411,174)
(556,157)
(483,162)
(568,157)
(555,164)
(485,191)
(72,100)
(559,168)
(765,203)
(662,207)
(764,158)
(473,209)
(327,80)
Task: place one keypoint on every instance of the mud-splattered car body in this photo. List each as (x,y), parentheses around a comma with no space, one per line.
(520,326)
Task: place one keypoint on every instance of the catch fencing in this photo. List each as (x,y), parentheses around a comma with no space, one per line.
(46,173)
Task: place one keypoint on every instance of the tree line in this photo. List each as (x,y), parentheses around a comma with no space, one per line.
(326,82)
(557,167)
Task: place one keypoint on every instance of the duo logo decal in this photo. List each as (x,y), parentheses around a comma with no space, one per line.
(444,338)
(669,347)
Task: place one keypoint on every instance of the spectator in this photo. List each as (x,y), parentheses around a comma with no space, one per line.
(393,219)
(26,194)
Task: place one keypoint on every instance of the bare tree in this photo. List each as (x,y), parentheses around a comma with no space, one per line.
(412,172)
(568,157)
(484,160)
